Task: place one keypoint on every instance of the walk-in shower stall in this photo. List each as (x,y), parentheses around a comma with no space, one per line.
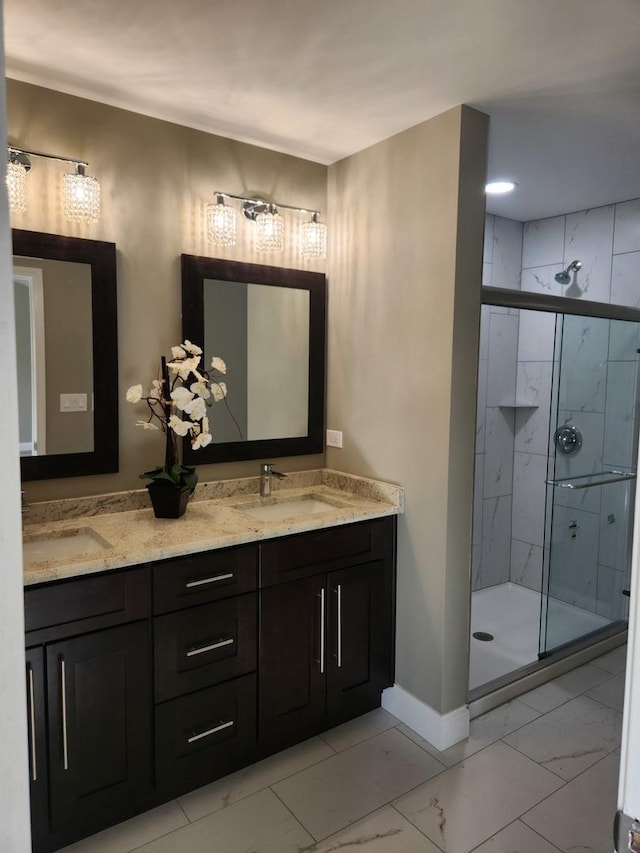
(557,437)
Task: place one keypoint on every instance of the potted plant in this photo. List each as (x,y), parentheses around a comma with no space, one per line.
(177,405)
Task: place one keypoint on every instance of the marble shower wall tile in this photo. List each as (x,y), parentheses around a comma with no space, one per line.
(573,574)
(478,497)
(583,377)
(589,238)
(626,235)
(543,242)
(533,385)
(481,405)
(529,474)
(614,525)
(624,340)
(498,452)
(541,280)
(619,444)
(507,253)
(536,336)
(625,280)
(503,349)
(496,541)
(526,564)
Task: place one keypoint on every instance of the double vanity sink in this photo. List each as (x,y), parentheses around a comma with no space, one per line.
(62,539)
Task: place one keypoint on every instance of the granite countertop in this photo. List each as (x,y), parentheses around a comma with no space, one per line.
(121,529)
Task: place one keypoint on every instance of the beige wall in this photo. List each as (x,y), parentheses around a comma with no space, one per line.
(156,180)
(406,218)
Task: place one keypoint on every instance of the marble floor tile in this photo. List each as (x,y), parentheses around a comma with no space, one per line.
(516,838)
(580,815)
(473,801)
(570,738)
(610,692)
(362,728)
(483,731)
(260,822)
(613,662)
(133,833)
(384,831)
(340,790)
(250,780)
(554,693)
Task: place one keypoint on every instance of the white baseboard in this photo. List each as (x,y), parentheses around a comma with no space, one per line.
(441,730)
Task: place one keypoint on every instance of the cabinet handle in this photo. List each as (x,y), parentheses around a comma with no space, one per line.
(322,631)
(339,592)
(200,650)
(63,694)
(210,732)
(32,727)
(191,584)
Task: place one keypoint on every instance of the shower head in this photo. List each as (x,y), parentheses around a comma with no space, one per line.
(564,277)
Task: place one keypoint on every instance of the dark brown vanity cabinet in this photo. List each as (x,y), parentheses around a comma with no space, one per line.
(89,701)
(145,683)
(326,638)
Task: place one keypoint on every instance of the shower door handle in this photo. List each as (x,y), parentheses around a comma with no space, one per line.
(568,482)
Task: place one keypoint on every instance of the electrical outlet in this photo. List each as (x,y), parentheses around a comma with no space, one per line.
(73,402)
(334,438)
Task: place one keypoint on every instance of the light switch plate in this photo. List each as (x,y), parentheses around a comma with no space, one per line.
(73,402)
(334,438)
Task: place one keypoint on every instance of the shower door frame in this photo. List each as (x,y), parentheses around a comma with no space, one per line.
(506,687)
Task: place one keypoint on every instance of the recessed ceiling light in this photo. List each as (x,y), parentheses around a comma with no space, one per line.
(499,187)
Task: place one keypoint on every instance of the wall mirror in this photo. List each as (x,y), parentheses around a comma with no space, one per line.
(67,355)
(268,324)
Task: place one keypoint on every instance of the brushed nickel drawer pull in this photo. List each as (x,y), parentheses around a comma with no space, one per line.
(339,591)
(215,579)
(63,693)
(200,650)
(322,631)
(32,726)
(210,732)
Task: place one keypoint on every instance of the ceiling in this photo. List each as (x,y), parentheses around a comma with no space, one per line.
(322,79)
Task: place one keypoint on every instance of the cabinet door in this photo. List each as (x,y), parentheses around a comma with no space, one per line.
(292,693)
(36,725)
(358,639)
(99,691)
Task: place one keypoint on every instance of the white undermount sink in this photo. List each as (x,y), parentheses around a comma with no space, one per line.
(65,543)
(283,509)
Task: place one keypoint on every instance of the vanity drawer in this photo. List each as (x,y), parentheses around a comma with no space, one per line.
(204,645)
(198,578)
(306,554)
(205,735)
(93,601)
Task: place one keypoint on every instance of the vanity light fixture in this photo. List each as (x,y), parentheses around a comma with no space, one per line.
(221,223)
(269,222)
(80,192)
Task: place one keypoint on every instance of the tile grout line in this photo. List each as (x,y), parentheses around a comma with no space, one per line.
(424,834)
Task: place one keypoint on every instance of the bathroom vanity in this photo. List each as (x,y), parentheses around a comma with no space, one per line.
(180,651)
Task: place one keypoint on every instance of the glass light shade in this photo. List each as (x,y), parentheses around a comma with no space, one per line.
(221,224)
(270,236)
(80,198)
(17,187)
(314,239)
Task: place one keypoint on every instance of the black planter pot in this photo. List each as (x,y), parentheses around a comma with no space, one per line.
(168,501)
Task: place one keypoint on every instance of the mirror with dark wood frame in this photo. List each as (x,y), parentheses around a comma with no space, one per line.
(67,348)
(268,325)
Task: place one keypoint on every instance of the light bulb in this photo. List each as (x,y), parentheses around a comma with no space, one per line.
(270,236)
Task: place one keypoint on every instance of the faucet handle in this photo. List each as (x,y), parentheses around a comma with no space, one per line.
(279,474)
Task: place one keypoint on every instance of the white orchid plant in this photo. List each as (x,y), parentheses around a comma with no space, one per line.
(177,405)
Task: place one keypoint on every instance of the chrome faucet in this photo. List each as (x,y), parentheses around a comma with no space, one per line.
(266,472)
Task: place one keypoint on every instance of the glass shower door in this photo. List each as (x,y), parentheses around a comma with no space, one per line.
(590,478)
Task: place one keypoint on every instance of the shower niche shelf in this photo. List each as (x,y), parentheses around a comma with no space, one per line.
(518,404)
